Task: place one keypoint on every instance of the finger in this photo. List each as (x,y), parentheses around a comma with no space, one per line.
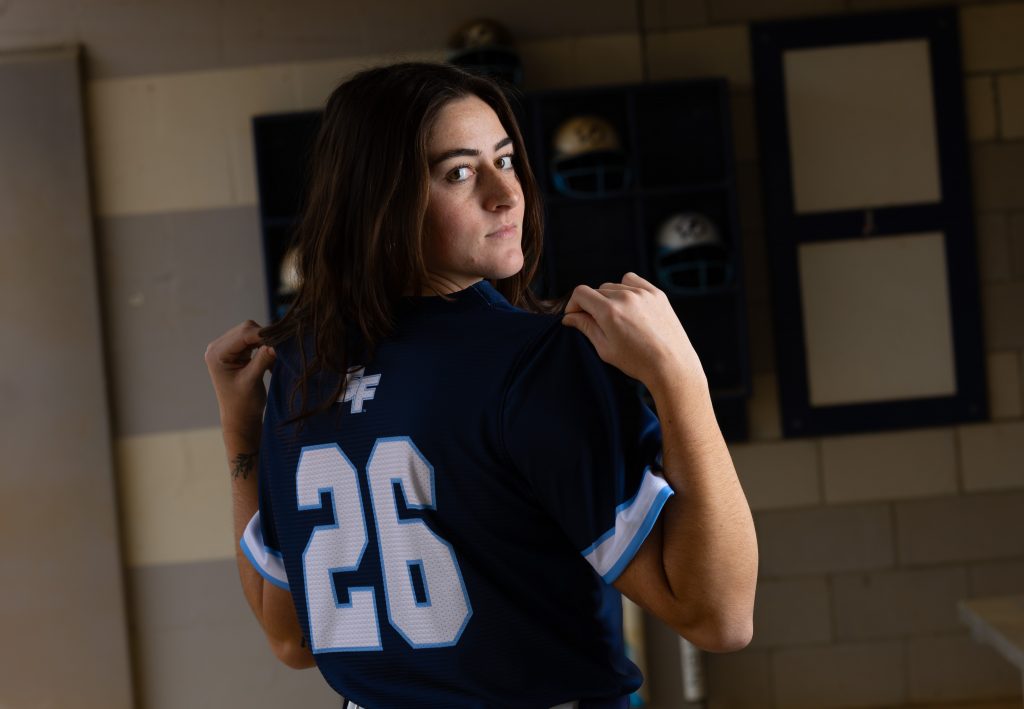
(586,324)
(634,279)
(263,359)
(585,298)
(573,305)
(237,343)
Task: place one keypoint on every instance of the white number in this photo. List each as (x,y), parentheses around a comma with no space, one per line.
(426,598)
(438,619)
(336,547)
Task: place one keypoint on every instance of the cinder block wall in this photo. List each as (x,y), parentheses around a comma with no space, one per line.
(866,541)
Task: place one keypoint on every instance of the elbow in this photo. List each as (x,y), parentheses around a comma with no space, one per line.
(725,638)
(717,632)
(295,655)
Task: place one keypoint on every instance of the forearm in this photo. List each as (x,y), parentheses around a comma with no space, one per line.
(272,606)
(709,547)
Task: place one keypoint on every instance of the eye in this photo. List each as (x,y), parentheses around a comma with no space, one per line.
(505,162)
(459,174)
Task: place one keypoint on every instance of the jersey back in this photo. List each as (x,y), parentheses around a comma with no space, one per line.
(450,528)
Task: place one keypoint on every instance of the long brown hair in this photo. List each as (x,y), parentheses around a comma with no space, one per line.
(359,237)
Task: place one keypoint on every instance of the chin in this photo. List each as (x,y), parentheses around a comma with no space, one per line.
(507,270)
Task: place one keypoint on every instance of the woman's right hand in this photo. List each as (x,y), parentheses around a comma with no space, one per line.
(237,361)
(633,327)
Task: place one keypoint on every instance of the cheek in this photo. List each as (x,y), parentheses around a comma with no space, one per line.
(442,229)
(444,218)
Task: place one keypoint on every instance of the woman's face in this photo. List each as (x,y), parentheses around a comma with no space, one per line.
(474,223)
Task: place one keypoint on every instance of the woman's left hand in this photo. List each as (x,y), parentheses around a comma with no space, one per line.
(237,361)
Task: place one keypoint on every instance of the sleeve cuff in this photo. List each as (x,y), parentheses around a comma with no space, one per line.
(634,519)
(268,562)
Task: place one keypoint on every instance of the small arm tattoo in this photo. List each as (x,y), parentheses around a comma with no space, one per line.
(242,465)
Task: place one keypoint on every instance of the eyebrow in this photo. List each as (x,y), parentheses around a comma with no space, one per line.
(466,152)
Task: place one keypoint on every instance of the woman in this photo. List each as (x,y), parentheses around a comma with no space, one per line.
(449,524)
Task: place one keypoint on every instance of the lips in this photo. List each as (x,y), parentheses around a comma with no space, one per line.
(504,232)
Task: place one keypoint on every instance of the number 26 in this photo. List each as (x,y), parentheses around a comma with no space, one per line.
(435,613)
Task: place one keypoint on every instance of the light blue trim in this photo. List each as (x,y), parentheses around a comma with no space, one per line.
(418,564)
(641,534)
(262,572)
(621,506)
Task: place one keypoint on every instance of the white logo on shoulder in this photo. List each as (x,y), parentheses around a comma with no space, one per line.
(359,388)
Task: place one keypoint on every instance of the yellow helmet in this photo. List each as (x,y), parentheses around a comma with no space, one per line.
(585,134)
(483,46)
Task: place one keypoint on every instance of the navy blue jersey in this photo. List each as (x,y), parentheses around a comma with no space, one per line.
(449,530)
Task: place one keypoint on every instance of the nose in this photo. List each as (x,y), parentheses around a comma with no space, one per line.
(502,190)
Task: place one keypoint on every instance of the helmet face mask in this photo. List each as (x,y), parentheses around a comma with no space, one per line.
(592,175)
(690,257)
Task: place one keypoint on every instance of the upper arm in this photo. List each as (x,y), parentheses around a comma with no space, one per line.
(690,611)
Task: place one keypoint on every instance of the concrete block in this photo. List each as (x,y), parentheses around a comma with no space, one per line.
(847,675)
(1001,306)
(204,162)
(30,24)
(792,612)
(567,62)
(774,475)
(998,181)
(143,38)
(996,578)
(886,604)
(763,421)
(196,644)
(1004,385)
(981,704)
(1011,106)
(660,15)
(961,528)
(739,680)
(992,454)
(196,272)
(990,36)
(315,80)
(1016,237)
(169,477)
(822,539)
(898,4)
(723,51)
(956,668)
(888,466)
(266,31)
(993,243)
(981,108)
(747,10)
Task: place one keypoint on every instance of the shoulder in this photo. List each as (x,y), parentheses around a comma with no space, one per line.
(543,337)
(559,367)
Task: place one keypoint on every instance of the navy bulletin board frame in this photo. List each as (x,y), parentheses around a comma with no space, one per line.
(787,230)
